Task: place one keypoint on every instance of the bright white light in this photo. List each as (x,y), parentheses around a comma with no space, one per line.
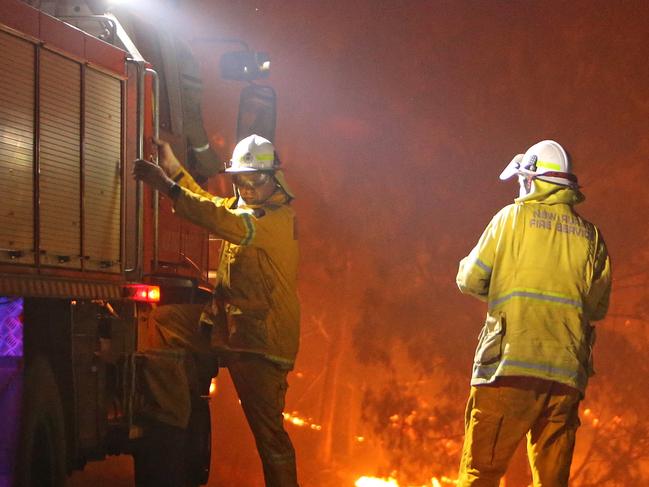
(376,482)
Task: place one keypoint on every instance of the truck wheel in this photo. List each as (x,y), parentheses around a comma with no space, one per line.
(41,455)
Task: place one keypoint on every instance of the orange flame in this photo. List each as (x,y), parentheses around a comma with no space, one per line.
(213,386)
(294,418)
(366,481)
(376,482)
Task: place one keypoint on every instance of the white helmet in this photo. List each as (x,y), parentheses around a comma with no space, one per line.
(254,153)
(545,160)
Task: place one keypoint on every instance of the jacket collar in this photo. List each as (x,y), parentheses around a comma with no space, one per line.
(551,194)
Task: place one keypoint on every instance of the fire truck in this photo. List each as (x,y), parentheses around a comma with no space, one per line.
(85,250)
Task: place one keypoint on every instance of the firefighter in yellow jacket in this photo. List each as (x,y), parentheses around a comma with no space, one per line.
(252,324)
(544,272)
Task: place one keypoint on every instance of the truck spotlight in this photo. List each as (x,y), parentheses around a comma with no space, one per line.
(245,65)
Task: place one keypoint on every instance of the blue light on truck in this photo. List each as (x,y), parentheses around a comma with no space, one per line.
(11,327)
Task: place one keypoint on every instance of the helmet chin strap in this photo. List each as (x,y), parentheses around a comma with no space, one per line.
(565,175)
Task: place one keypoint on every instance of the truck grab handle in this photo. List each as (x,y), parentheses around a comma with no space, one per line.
(142,72)
(139,154)
(156,135)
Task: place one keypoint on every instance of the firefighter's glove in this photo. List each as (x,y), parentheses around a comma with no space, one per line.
(152,175)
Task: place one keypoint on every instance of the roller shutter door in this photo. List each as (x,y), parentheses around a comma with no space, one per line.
(60,153)
(16,150)
(102,181)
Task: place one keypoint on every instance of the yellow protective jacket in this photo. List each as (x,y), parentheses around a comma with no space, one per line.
(545,274)
(256,308)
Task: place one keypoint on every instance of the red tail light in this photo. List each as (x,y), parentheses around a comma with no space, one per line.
(142,292)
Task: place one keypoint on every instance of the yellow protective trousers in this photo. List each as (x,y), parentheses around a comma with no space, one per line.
(499,415)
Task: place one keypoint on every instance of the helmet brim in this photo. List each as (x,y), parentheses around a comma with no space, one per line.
(512,168)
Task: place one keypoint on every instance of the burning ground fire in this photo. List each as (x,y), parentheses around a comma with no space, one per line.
(295,419)
(589,417)
(367,481)
(392,482)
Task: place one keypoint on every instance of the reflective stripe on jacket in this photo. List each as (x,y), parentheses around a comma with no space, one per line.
(545,274)
(257,272)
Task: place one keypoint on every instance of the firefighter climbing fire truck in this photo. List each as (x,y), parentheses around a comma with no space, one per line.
(85,251)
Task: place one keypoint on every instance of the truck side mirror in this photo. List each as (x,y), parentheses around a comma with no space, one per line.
(257,112)
(245,65)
